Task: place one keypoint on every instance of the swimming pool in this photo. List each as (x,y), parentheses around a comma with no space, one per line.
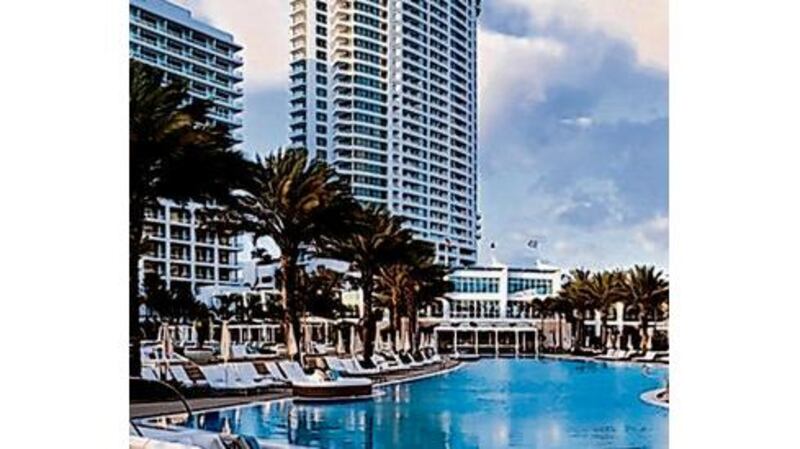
(491,404)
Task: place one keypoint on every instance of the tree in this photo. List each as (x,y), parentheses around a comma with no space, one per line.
(376,240)
(296,202)
(430,285)
(575,291)
(175,154)
(647,293)
(412,282)
(605,288)
(320,292)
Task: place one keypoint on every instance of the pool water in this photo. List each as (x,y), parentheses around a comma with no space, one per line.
(491,404)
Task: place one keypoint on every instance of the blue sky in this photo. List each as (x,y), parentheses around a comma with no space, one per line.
(573,129)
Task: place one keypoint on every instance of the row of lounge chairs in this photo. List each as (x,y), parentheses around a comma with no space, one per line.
(634,356)
(256,375)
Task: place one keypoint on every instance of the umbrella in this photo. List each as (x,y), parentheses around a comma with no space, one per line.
(339,342)
(406,336)
(166,346)
(225,342)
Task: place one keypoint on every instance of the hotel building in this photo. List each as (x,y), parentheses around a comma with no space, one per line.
(386,91)
(166,36)
(491,310)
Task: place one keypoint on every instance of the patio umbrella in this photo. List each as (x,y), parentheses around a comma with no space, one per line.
(352,340)
(339,342)
(406,336)
(225,342)
(166,347)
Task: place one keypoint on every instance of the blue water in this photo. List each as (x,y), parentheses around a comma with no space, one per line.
(491,404)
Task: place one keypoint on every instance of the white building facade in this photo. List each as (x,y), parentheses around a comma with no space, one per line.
(386,91)
(166,36)
(492,310)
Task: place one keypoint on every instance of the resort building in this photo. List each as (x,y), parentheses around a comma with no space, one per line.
(166,36)
(492,310)
(386,91)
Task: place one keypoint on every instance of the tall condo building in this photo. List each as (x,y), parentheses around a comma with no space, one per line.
(166,36)
(386,91)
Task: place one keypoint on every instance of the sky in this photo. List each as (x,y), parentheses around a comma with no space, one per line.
(573,122)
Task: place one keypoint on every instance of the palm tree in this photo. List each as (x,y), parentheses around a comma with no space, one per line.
(606,288)
(647,293)
(377,239)
(296,202)
(393,285)
(430,285)
(175,154)
(320,292)
(575,291)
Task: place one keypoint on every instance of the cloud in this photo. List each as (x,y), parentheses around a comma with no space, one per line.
(643,23)
(513,69)
(580,122)
(261,27)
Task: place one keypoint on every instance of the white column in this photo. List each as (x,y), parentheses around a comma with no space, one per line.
(516,342)
(476,341)
(455,341)
(496,343)
(536,342)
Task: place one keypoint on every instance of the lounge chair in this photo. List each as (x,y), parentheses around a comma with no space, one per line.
(276,372)
(149,373)
(341,367)
(250,375)
(149,443)
(383,363)
(408,360)
(316,387)
(612,354)
(189,438)
(432,355)
(355,367)
(226,378)
(649,356)
(188,376)
(389,361)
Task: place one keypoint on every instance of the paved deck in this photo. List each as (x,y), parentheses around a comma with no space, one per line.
(150,409)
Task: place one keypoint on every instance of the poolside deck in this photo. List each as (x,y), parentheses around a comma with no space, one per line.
(150,409)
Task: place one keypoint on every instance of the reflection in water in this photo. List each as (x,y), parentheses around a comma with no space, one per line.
(492,404)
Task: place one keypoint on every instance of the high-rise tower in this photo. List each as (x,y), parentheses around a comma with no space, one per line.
(166,36)
(386,91)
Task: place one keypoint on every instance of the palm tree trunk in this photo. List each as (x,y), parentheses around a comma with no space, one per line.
(394,322)
(603,330)
(290,321)
(558,332)
(413,327)
(134,254)
(369,316)
(644,345)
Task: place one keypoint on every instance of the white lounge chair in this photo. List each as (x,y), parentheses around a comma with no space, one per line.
(149,443)
(383,364)
(249,375)
(353,366)
(179,373)
(221,377)
(190,438)
(276,372)
(149,373)
(649,356)
(315,387)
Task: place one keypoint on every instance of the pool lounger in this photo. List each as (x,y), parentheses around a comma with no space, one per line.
(307,386)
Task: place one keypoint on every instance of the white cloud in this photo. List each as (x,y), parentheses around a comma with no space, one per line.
(513,69)
(261,27)
(644,23)
(580,122)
